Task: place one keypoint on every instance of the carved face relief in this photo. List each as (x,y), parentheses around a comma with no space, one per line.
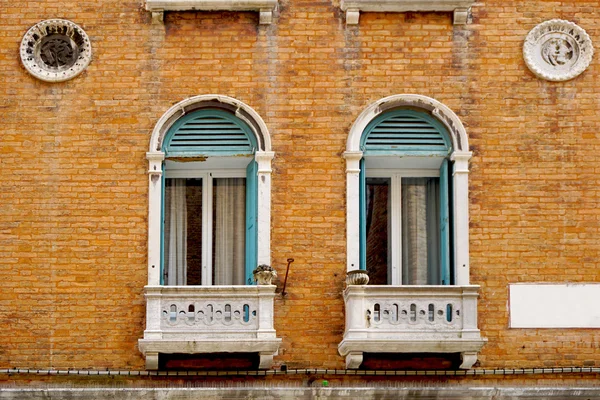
(55,50)
(557,50)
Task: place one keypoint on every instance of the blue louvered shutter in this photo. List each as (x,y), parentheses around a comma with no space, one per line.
(162,227)
(362,231)
(444,225)
(209,132)
(405,132)
(251,220)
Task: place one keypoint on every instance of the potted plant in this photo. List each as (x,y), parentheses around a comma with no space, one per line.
(264,274)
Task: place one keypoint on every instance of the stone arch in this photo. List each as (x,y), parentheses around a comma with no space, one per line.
(236,107)
(458,134)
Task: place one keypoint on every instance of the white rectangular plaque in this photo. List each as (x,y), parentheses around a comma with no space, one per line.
(554,305)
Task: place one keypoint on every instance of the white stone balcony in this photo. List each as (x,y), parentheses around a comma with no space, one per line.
(411,319)
(209,319)
(460,8)
(264,7)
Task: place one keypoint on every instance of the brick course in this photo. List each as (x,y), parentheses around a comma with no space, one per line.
(73,220)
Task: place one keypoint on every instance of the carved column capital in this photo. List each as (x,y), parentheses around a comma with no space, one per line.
(155,160)
(353,161)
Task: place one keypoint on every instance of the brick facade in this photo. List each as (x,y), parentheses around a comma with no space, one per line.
(74,190)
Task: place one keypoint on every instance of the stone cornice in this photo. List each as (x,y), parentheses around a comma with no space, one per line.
(459,7)
(264,7)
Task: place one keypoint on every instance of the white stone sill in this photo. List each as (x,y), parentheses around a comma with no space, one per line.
(215,291)
(459,7)
(264,7)
(441,291)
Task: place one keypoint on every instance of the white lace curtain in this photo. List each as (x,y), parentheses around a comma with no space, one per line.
(175,233)
(420,231)
(229,231)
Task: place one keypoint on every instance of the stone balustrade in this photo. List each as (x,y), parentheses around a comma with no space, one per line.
(209,319)
(410,319)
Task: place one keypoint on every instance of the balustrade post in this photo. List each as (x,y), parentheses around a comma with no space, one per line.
(469,300)
(153,312)
(266,294)
(357,319)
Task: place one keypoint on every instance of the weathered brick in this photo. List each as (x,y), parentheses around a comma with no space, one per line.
(73,218)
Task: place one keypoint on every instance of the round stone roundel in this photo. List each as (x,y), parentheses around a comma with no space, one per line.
(55,50)
(557,50)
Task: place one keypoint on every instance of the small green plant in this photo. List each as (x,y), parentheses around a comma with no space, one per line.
(263,274)
(263,268)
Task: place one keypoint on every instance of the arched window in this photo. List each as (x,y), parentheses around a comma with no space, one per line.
(209,226)
(407,158)
(405,236)
(208,207)
(408,225)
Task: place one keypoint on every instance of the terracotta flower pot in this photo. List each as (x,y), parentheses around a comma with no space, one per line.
(264,277)
(357,277)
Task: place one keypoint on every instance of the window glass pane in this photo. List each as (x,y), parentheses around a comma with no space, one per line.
(420,231)
(229,228)
(377,229)
(183,232)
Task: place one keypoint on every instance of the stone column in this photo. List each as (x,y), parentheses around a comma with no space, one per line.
(155,160)
(460,179)
(352,209)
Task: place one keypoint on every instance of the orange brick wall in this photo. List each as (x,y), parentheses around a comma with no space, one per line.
(73,220)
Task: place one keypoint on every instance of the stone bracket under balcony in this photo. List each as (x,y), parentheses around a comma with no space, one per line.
(265,8)
(460,8)
(411,319)
(209,319)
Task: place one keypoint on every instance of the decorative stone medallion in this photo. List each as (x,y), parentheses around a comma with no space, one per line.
(557,50)
(55,50)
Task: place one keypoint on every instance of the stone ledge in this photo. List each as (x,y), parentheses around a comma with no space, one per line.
(264,7)
(266,348)
(459,7)
(353,349)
